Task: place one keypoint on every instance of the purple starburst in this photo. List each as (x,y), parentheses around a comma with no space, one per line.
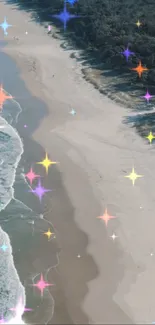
(65,16)
(147,96)
(40,190)
(127,53)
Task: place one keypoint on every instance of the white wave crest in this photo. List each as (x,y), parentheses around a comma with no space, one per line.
(11,289)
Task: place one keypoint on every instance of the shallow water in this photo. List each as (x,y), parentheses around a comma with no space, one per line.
(24,227)
(25,223)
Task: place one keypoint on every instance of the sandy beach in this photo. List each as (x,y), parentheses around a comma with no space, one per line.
(97,280)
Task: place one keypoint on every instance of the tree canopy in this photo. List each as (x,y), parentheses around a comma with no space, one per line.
(109,27)
(106,28)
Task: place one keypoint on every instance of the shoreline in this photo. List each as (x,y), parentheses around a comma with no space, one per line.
(39,264)
(78,316)
(86,148)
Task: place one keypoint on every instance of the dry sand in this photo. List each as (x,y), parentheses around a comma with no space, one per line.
(95,150)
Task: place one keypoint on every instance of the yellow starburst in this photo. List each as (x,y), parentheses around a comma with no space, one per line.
(133,176)
(150,137)
(138,23)
(48,234)
(46,163)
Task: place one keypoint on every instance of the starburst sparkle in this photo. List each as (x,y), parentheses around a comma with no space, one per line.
(39,190)
(41,284)
(65,16)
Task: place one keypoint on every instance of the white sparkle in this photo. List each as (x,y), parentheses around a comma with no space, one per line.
(72,112)
(151,254)
(113,236)
(78,256)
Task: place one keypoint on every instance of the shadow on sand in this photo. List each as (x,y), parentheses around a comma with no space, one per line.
(33,254)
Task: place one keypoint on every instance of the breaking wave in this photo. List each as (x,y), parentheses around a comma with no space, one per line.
(11,289)
(19,226)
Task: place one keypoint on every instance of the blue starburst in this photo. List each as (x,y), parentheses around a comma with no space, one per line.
(71,2)
(4,247)
(65,16)
(5,26)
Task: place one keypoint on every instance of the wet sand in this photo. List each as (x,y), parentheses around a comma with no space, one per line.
(33,254)
(94,150)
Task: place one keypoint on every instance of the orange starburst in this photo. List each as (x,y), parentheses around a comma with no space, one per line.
(3,96)
(139,69)
(106,217)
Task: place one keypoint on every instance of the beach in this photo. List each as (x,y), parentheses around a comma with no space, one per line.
(95,279)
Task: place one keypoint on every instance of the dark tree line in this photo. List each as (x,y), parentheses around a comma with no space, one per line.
(108,27)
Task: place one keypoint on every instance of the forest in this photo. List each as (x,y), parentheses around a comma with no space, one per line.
(105,28)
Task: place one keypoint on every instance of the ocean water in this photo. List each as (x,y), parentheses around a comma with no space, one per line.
(10,152)
(21,228)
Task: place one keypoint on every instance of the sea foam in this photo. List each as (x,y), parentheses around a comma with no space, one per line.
(11,289)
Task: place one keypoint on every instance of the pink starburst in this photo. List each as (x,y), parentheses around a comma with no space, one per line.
(106,217)
(2,321)
(31,176)
(41,284)
(19,309)
(49,28)
(147,96)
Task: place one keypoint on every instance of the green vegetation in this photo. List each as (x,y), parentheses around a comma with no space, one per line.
(107,27)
